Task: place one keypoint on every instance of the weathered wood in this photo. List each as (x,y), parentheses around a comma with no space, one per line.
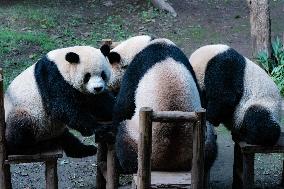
(5,175)
(198,151)
(237,168)
(51,177)
(163,5)
(260,26)
(282,180)
(101,159)
(248,171)
(177,180)
(174,116)
(112,172)
(54,152)
(144,148)
(277,148)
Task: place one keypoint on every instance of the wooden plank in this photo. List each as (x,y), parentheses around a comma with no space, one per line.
(112,171)
(5,175)
(198,151)
(144,148)
(51,177)
(248,171)
(174,116)
(101,160)
(167,179)
(278,148)
(53,153)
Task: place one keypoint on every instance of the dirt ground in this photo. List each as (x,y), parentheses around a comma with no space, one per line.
(199,22)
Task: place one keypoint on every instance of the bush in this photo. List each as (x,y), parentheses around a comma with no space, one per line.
(274,66)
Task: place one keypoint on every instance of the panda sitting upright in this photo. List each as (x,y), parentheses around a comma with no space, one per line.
(155,73)
(238,93)
(67,87)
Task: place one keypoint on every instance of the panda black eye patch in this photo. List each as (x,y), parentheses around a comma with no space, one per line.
(72,57)
(103,75)
(87,77)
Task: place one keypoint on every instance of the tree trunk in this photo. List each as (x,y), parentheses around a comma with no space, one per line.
(163,5)
(260,26)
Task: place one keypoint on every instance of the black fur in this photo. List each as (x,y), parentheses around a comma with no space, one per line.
(72,58)
(224,86)
(66,104)
(105,49)
(258,127)
(143,61)
(114,57)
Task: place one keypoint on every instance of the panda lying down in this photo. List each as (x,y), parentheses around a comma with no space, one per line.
(67,87)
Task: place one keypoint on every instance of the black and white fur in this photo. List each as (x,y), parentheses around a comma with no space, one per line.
(67,87)
(159,76)
(238,93)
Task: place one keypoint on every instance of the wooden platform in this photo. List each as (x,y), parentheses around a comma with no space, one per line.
(54,152)
(244,155)
(176,180)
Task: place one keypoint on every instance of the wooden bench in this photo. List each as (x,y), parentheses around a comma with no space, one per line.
(108,177)
(48,156)
(243,173)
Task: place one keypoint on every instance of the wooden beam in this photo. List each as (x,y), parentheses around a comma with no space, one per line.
(112,171)
(51,177)
(260,26)
(101,160)
(144,148)
(198,151)
(174,116)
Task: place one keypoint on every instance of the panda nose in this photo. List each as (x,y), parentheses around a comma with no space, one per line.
(98,89)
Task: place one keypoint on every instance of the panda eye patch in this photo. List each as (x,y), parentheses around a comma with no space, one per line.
(87,77)
(103,75)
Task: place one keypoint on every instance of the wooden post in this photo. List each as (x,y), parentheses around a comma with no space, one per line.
(144,148)
(5,175)
(51,177)
(248,170)
(112,174)
(101,158)
(198,151)
(260,26)
(237,167)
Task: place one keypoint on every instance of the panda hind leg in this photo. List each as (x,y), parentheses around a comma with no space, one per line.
(19,133)
(73,147)
(259,127)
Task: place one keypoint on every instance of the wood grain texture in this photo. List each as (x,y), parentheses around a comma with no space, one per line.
(51,176)
(144,148)
(174,116)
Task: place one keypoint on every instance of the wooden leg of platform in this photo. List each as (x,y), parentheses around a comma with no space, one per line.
(101,159)
(238,168)
(51,174)
(5,177)
(282,181)
(112,174)
(248,171)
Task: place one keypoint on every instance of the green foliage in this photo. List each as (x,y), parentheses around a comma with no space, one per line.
(274,66)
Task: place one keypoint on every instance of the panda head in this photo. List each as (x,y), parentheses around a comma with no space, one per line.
(122,55)
(85,68)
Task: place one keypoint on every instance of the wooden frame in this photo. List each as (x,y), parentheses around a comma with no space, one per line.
(49,157)
(146,117)
(243,173)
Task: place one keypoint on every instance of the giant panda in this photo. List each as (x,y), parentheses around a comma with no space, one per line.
(67,87)
(155,73)
(238,93)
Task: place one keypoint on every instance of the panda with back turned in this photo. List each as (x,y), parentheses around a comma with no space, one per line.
(238,93)
(67,87)
(155,73)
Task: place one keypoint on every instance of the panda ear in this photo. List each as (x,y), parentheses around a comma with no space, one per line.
(105,49)
(114,57)
(72,58)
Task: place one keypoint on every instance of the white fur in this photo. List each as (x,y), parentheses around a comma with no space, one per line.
(171,84)
(259,90)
